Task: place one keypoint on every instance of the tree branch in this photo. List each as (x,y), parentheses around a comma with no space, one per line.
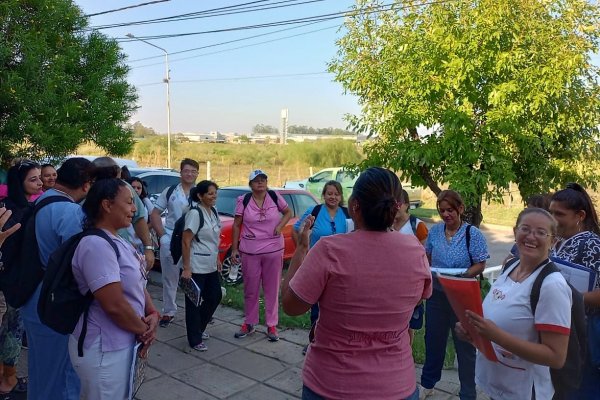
(423,170)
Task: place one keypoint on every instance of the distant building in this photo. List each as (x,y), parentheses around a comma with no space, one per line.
(212,137)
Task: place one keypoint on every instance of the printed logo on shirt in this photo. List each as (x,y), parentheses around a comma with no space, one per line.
(498,295)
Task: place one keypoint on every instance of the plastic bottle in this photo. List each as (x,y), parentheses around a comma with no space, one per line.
(234,269)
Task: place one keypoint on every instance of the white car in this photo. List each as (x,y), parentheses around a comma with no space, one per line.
(301,184)
(156,179)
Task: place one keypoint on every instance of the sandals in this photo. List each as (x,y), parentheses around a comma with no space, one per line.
(20,387)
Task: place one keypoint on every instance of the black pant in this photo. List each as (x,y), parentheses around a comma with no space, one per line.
(197,318)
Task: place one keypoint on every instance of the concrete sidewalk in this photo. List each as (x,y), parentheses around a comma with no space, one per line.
(249,368)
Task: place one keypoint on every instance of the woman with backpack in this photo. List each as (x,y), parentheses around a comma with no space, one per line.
(200,261)
(329,220)
(526,342)
(260,216)
(579,243)
(407,224)
(24,186)
(121,312)
(458,248)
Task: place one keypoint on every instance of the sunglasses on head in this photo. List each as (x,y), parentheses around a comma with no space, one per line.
(27,164)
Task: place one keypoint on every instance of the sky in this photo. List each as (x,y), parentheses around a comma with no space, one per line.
(231,87)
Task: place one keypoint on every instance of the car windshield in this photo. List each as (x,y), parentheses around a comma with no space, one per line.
(226,200)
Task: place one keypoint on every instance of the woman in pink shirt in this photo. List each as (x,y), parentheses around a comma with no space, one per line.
(367,284)
(261,248)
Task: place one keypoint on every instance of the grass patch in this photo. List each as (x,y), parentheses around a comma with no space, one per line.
(493,213)
(235,299)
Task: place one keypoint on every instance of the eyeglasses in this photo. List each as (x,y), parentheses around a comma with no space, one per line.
(538,233)
(333,231)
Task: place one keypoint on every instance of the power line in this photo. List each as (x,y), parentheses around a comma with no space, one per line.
(239,78)
(239,40)
(264,42)
(318,18)
(214,12)
(233,48)
(125,8)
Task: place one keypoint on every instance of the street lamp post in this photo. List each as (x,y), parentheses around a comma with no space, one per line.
(167,80)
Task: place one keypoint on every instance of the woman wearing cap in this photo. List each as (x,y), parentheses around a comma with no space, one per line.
(259,245)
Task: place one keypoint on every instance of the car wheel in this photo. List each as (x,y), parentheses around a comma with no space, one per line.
(226,267)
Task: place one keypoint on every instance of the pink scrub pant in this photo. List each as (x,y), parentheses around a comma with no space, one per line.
(266,268)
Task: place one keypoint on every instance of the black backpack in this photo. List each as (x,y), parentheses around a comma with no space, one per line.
(22,270)
(315,211)
(61,303)
(569,376)
(176,246)
(248,196)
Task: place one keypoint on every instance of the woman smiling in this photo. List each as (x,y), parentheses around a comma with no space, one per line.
(526,342)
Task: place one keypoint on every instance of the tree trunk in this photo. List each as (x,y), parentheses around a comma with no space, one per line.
(473,214)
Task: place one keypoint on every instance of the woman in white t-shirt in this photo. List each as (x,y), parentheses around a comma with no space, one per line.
(526,344)
(199,260)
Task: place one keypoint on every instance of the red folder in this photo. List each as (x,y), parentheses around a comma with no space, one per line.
(464,294)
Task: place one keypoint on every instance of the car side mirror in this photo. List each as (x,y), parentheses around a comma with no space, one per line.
(311,179)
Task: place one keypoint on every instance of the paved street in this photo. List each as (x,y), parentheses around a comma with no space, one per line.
(250,368)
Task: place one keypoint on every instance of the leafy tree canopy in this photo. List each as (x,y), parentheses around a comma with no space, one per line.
(60,84)
(260,128)
(141,131)
(476,94)
(309,130)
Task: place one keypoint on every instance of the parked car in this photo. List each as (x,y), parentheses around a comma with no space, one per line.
(298,201)
(156,179)
(316,182)
(299,184)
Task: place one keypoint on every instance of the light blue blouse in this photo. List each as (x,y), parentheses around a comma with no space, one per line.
(324,225)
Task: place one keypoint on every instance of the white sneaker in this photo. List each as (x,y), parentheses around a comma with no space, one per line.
(205,335)
(425,393)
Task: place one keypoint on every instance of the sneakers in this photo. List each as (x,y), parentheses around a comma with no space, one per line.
(245,330)
(200,347)
(272,334)
(425,393)
(205,336)
(166,320)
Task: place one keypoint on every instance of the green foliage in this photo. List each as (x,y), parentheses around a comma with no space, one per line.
(60,86)
(260,128)
(499,90)
(321,154)
(141,131)
(309,130)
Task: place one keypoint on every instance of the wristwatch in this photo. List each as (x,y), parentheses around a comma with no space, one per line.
(148,247)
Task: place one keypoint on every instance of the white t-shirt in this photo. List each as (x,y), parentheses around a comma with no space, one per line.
(407,228)
(175,204)
(508,306)
(205,250)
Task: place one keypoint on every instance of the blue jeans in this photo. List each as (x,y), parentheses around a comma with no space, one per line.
(308,394)
(51,375)
(439,320)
